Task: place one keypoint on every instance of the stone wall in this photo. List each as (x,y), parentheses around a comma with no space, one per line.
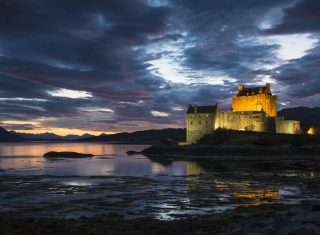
(198,125)
(259,102)
(243,121)
(287,126)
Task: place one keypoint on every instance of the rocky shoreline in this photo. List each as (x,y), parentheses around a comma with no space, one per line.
(264,219)
(242,151)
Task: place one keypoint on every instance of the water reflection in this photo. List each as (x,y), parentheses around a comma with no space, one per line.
(40,148)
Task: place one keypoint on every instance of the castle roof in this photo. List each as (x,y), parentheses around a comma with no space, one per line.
(253,91)
(202,109)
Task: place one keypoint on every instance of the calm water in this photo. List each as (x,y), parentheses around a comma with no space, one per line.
(109,160)
(134,186)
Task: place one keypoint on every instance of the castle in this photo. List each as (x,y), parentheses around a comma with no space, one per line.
(253,109)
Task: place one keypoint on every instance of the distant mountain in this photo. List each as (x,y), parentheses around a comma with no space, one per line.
(76,137)
(8,136)
(308,116)
(147,136)
(42,136)
(51,137)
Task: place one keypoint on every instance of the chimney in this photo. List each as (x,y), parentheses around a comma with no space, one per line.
(240,88)
(268,87)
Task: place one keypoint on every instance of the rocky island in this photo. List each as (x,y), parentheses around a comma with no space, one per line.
(54,154)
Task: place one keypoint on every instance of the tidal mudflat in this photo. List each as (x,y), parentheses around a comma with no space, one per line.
(113,185)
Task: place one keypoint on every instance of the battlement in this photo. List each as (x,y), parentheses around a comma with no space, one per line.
(249,91)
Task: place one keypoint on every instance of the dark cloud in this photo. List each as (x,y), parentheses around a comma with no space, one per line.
(106,48)
(301,77)
(304,17)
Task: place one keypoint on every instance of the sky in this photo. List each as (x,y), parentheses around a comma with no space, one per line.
(93,66)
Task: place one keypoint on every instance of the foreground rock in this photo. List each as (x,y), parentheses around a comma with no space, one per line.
(112,223)
(300,220)
(53,154)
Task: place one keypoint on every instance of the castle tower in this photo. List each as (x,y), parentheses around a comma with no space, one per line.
(252,99)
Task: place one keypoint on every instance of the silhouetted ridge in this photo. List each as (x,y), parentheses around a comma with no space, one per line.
(7,136)
(147,136)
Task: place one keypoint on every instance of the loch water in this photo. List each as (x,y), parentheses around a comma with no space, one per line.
(135,186)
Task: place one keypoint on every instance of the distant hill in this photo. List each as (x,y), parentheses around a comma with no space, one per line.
(307,116)
(7,136)
(42,136)
(147,136)
(51,137)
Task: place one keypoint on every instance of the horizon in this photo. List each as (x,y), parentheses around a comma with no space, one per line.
(76,67)
(82,132)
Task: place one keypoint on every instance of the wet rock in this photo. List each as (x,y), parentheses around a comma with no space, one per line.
(267,221)
(29,220)
(296,210)
(281,222)
(234,228)
(312,217)
(270,229)
(299,221)
(313,227)
(54,154)
(250,226)
(315,207)
(294,229)
(254,233)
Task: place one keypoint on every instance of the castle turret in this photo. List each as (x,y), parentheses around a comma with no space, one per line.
(255,99)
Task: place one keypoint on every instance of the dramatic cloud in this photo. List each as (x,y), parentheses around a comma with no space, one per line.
(110,66)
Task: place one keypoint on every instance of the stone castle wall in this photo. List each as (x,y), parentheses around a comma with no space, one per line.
(259,102)
(198,125)
(288,126)
(201,124)
(245,121)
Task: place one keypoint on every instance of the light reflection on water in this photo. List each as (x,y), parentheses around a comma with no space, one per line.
(130,185)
